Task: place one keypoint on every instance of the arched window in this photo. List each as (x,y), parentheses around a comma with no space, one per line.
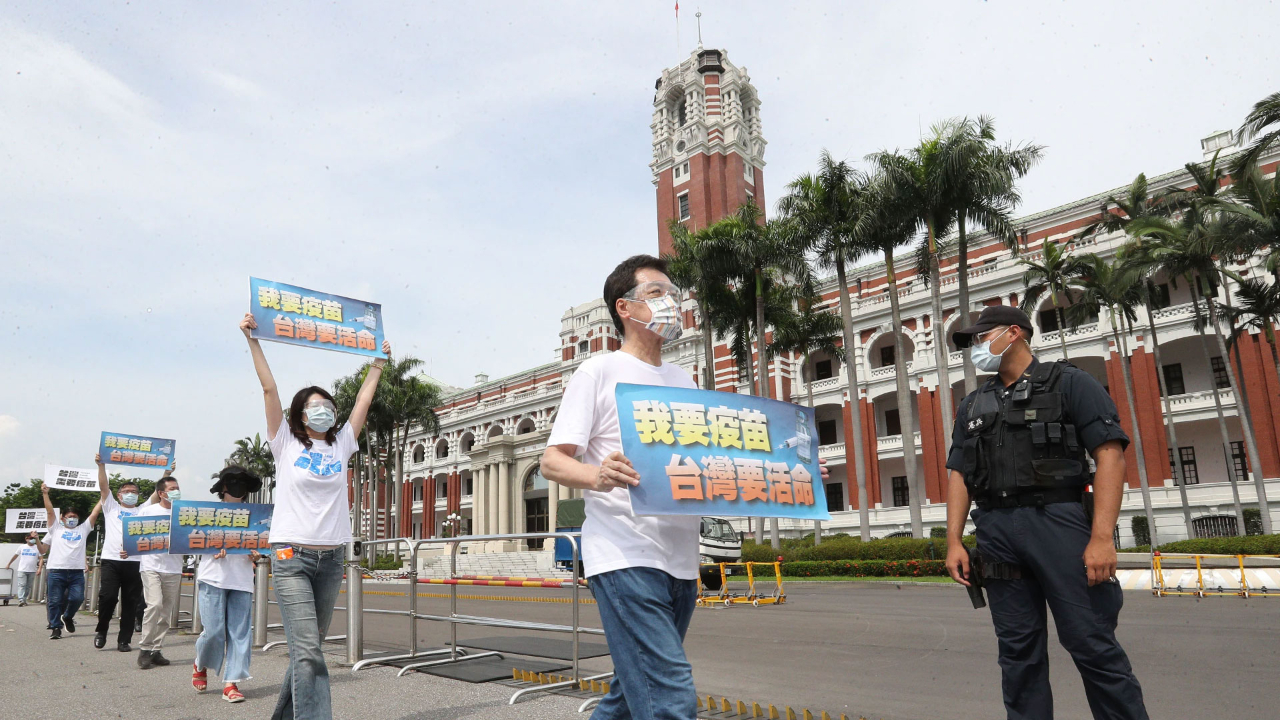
(467,442)
(442,449)
(419,454)
(682,113)
(526,426)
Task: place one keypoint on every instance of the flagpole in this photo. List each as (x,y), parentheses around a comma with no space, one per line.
(678,45)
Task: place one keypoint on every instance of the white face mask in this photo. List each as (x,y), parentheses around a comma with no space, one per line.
(982,357)
(320,418)
(665,320)
(72,522)
(129,499)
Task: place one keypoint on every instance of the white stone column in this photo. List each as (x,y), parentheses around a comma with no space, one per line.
(479,507)
(504,498)
(553,504)
(491,470)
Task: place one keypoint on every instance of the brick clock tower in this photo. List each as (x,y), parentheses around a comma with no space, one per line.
(708,151)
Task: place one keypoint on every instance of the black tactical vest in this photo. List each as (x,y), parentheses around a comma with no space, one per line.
(1021,444)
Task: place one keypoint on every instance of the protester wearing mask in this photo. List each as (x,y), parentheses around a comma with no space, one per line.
(66,542)
(1019,452)
(224,588)
(311,523)
(30,562)
(161,580)
(643,569)
(119,578)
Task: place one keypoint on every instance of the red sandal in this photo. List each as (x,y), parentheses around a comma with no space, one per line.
(232,694)
(199,679)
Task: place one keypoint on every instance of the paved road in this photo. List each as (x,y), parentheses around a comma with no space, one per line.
(921,652)
(878,650)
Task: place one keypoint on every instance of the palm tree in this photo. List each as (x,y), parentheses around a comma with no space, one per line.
(805,331)
(886,223)
(1052,274)
(824,208)
(1118,289)
(985,189)
(1137,203)
(374,445)
(689,270)
(1190,249)
(255,456)
(1265,114)
(409,401)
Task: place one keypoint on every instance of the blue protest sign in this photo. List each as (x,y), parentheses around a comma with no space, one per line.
(136,450)
(206,528)
(298,316)
(701,452)
(145,535)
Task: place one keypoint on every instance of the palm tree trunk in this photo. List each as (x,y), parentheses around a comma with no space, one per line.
(356,530)
(905,414)
(855,405)
(808,386)
(962,290)
(940,355)
(1246,425)
(1062,323)
(1259,484)
(1123,348)
(1217,404)
(1171,435)
(708,349)
(762,353)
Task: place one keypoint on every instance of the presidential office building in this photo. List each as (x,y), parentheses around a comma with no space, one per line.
(708,158)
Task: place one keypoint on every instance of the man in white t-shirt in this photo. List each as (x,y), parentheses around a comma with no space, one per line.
(643,569)
(119,578)
(65,542)
(161,581)
(30,562)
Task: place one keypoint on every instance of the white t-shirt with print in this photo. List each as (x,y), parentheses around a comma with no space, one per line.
(613,537)
(28,559)
(112,511)
(311,501)
(233,572)
(160,562)
(67,545)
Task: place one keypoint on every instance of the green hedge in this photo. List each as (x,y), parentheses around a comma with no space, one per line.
(383,562)
(851,548)
(857,568)
(1249,545)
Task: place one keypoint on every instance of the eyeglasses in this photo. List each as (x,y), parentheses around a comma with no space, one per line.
(652,291)
(320,404)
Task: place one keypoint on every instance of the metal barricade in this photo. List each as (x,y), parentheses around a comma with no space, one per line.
(261,601)
(1232,563)
(355,650)
(454,618)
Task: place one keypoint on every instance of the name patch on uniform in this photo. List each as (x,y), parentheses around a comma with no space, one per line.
(1029,414)
(974,424)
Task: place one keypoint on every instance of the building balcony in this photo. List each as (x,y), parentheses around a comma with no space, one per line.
(833,453)
(889,371)
(891,445)
(1192,406)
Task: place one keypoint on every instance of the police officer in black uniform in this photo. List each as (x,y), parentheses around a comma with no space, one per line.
(1019,452)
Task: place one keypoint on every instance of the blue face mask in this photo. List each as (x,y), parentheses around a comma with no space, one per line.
(982,357)
(72,522)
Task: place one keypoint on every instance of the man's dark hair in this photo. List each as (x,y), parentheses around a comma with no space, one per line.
(163,485)
(623,280)
(128,483)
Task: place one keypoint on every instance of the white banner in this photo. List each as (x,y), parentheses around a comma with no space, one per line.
(69,478)
(24,521)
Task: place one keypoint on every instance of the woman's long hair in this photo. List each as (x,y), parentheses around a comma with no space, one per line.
(298,416)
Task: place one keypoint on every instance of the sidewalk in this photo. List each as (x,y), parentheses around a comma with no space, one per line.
(68,678)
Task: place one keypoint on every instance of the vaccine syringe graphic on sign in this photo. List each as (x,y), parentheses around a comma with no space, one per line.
(700,452)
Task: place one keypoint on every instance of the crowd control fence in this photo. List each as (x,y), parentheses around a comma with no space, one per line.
(1204,575)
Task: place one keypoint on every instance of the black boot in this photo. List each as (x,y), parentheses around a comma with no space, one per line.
(145,660)
(159,660)
(99,640)
(124,647)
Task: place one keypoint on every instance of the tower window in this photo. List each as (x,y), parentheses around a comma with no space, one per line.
(582,346)
(682,115)
(1220,377)
(684,206)
(748,172)
(679,169)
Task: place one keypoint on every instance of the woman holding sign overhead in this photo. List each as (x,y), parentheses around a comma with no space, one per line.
(310,524)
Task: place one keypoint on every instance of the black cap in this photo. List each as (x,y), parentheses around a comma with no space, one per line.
(234,475)
(993,316)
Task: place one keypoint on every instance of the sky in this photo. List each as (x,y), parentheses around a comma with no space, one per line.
(476,168)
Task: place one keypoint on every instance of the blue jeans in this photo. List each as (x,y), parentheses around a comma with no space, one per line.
(226,615)
(307,586)
(66,592)
(26,582)
(645,613)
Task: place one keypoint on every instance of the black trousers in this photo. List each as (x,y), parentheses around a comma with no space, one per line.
(1048,543)
(120,580)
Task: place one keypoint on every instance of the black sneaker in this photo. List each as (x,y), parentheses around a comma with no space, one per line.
(158,660)
(145,659)
(99,640)
(137,626)
(22,604)
(124,647)
(70,623)
(55,634)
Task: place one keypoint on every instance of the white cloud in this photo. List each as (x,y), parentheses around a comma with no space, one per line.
(8,425)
